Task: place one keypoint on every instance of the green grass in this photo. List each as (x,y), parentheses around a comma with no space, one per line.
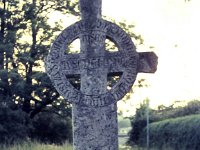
(67,146)
(38,146)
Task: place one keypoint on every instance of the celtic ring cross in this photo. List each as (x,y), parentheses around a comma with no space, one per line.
(95,61)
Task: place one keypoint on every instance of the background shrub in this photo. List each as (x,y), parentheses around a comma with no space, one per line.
(14,126)
(138,121)
(51,128)
(179,133)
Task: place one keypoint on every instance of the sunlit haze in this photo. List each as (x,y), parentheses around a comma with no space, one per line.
(172,28)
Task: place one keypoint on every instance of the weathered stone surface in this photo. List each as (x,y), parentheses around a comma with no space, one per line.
(148,62)
(94,106)
(95,128)
(93,56)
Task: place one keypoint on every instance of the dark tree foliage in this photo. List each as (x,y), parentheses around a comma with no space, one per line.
(25,38)
(51,128)
(15,126)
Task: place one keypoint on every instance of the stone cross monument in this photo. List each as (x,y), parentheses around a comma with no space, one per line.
(94,106)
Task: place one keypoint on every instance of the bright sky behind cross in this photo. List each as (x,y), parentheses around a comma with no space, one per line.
(172,27)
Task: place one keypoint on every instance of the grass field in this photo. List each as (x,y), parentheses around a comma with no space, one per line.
(67,146)
(38,146)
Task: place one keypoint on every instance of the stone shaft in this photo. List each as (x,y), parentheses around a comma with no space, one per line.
(94,128)
(90,9)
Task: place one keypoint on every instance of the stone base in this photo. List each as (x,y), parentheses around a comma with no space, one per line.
(95,128)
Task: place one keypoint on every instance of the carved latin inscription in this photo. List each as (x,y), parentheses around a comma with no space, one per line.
(95,62)
(59,63)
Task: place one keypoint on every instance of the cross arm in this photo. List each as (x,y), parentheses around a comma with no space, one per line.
(148,62)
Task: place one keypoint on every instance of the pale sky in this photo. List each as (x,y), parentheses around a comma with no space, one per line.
(172,27)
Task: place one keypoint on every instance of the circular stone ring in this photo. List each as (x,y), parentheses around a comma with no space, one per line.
(58,64)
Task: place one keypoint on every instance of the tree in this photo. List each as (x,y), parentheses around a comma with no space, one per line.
(25,38)
(8,37)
